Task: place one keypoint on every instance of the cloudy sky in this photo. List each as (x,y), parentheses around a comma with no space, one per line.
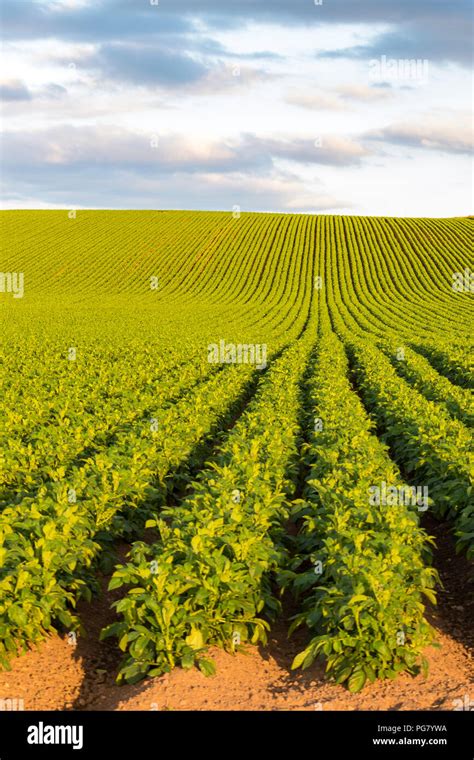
(269,105)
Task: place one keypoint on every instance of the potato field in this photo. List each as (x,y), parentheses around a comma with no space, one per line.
(262,407)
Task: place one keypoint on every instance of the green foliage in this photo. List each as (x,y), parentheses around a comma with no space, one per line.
(363,564)
(208,580)
(138,431)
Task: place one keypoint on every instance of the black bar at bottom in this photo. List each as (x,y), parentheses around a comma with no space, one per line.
(217,734)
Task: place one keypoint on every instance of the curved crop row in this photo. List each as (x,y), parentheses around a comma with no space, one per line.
(50,544)
(423,438)
(359,562)
(207,581)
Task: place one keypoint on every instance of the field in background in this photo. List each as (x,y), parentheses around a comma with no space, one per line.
(279,400)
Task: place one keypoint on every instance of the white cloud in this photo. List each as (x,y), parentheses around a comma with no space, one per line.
(116,147)
(431,133)
(315,100)
(363,93)
(91,86)
(14,90)
(336,99)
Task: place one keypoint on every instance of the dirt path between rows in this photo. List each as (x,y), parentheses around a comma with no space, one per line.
(58,675)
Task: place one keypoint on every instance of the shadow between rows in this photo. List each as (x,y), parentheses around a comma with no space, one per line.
(100,660)
(99,444)
(456,594)
(456,375)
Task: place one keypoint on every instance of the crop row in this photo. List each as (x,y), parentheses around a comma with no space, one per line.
(207,581)
(360,563)
(50,544)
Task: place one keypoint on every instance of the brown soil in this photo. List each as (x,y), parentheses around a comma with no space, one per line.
(58,675)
